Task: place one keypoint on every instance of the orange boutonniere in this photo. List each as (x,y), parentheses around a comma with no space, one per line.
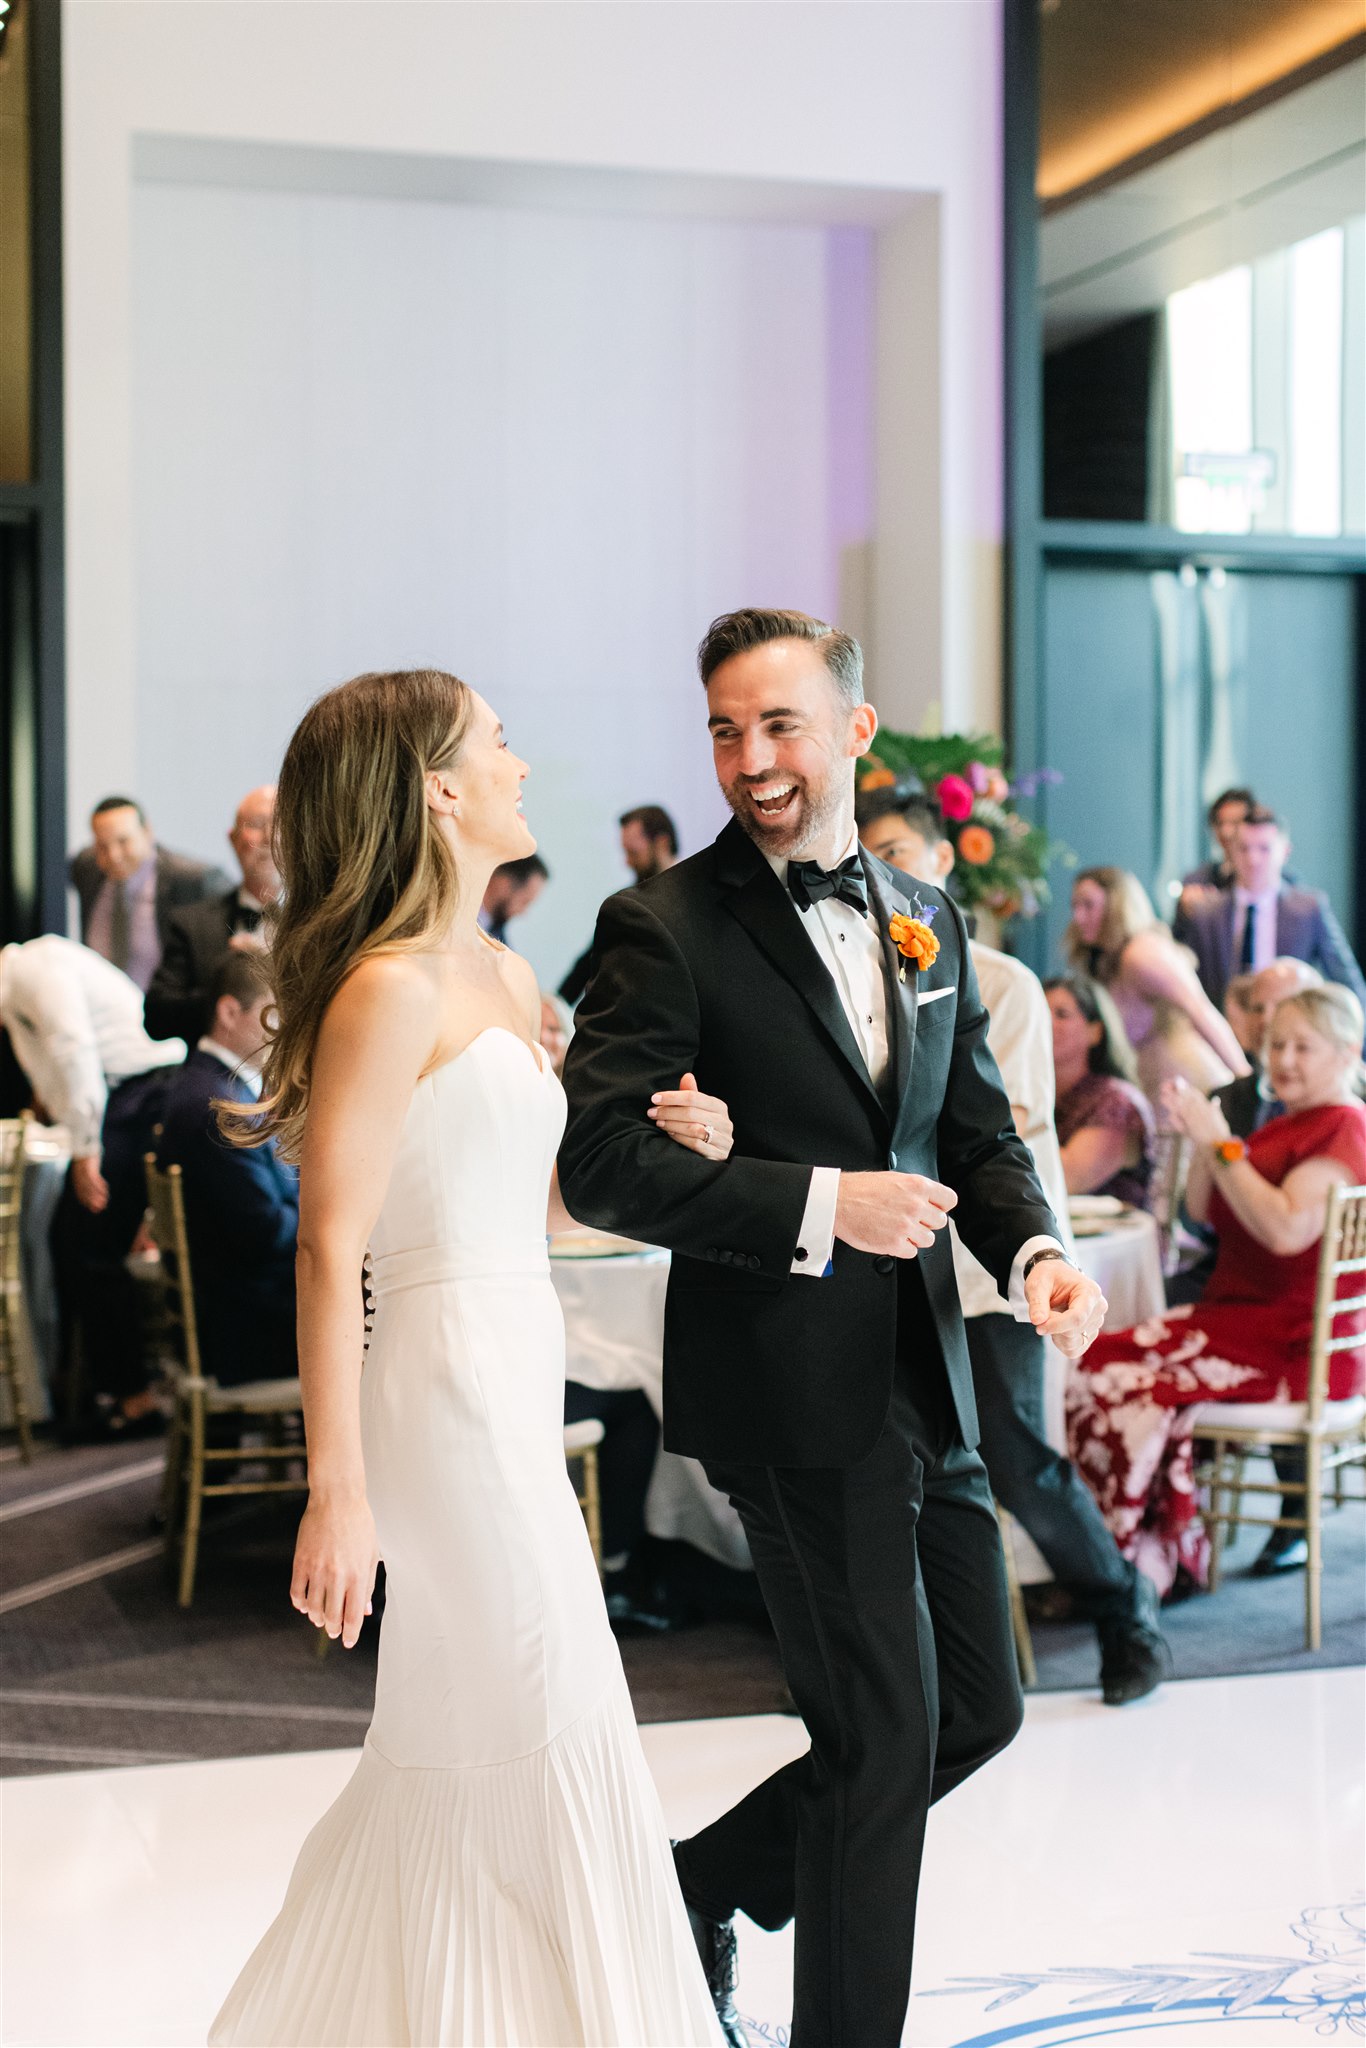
(913,938)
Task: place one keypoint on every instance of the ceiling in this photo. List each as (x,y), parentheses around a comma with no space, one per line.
(1119,78)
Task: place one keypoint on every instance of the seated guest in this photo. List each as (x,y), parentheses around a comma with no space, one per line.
(512,890)
(128,888)
(649,845)
(1248,1102)
(1261,918)
(75,1024)
(1223,817)
(1104,1122)
(1117,939)
(178,998)
(626,1463)
(1245,1027)
(241,1202)
(1248,1339)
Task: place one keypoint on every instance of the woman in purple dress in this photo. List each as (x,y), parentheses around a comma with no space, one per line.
(1104,1122)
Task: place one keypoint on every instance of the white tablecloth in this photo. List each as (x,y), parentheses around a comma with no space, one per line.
(1126,1262)
(614,1340)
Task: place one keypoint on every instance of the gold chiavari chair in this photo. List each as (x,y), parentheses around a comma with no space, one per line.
(198,1400)
(12,1131)
(581,1440)
(1331,1434)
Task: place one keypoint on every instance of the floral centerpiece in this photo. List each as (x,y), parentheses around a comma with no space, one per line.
(1001,859)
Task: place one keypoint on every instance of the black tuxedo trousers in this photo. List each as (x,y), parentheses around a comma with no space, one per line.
(886,1587)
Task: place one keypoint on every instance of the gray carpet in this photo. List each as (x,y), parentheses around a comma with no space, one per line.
(103,1667)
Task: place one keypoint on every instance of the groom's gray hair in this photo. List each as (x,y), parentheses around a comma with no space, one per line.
(736,632)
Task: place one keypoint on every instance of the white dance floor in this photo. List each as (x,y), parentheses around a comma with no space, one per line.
(1188,1870)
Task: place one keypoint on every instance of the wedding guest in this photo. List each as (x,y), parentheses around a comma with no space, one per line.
(178,1001)
(557,1028)
(1245,1027)
(1117,939)
(1105,1123)
(1028,1476)
(241,1204)
(75,1024)
(1261,918)
(128,887)
(1223,817)
(1128,1401)
(512,890)
(1248,1102)
(649,846)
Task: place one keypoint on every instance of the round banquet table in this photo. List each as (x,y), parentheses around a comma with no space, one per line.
(614,1341)
(1125,1260)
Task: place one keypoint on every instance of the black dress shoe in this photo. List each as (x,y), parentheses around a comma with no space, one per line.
(1285,1550)
(716,1947)
(1134,1658)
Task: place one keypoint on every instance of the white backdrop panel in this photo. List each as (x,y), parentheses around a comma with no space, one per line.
(540,449)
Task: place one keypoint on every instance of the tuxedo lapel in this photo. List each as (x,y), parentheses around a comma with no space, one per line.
(903,995)
(761,904)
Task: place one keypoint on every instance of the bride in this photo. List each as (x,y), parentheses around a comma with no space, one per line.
(497,1869)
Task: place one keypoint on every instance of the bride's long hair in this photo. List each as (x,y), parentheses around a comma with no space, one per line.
(363,867)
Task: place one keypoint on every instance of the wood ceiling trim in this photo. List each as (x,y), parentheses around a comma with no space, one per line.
(1209,124)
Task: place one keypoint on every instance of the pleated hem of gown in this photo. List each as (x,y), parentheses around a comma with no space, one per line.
(529,1904)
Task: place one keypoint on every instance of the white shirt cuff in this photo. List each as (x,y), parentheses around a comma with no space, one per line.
(816,1238)
(1015,1294)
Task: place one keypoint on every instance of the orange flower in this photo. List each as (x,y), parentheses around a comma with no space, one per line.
(914,940)
(976,845)
(880,778)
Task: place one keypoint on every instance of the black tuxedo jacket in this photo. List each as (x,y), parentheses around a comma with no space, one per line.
(196,940)
(180,881)
(706,967)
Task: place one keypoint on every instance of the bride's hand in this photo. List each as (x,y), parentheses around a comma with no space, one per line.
(701,1122)
(335,1560)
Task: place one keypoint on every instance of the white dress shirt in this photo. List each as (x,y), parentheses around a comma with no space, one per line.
(75,1022)
(245,1071)
(1263,930)
(850,948)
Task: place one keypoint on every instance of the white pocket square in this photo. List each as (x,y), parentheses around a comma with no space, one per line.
(932,995)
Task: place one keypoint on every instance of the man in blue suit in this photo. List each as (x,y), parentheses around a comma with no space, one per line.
(1261,918)
(241,1205)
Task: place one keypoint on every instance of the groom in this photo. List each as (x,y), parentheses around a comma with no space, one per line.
(814,1348)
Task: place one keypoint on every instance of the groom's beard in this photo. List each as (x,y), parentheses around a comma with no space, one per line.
(807,817)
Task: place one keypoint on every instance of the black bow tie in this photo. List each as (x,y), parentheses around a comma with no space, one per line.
(810,883)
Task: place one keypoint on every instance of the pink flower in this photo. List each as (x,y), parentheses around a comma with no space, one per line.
(980,778)
(955,798)
(998,789)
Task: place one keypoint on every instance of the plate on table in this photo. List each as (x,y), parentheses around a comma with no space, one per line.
(1094,1215)
(594,1244)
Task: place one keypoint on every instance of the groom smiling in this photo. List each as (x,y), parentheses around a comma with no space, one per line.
(815,1358)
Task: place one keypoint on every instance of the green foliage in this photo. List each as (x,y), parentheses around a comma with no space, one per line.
(1012,879)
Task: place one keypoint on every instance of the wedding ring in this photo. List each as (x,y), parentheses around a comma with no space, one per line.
(706,1134)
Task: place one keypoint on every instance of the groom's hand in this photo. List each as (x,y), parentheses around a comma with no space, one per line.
(894,1214)
(1065,1305)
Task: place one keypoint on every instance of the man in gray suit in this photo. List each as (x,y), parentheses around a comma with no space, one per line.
(1261,918)
(128,886)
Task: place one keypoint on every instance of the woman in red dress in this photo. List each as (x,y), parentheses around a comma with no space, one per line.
(1129,1398)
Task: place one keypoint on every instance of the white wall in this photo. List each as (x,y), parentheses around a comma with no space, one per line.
(895,97)
(540,449)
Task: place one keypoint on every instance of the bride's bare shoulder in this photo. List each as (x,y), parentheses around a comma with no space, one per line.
(385,993)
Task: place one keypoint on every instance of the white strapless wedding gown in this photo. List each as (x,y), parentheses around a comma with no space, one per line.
(497,1870)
